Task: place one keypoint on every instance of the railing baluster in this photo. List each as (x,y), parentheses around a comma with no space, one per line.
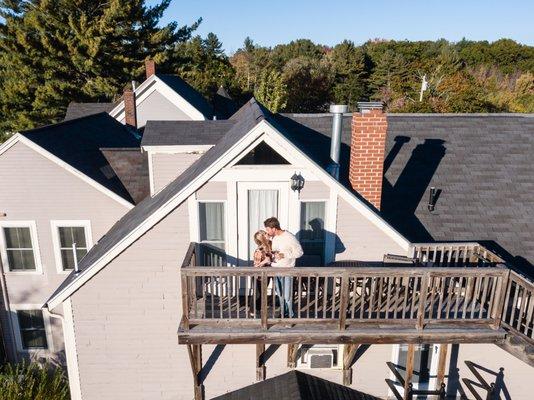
(483,298)
(362,302)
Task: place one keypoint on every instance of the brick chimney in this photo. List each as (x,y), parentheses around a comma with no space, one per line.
(368,142)
(150,67)
(130,115)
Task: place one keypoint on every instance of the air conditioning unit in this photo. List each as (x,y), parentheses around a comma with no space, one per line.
(321,357)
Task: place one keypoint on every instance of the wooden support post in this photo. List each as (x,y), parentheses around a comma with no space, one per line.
(409,370)
(263,300)
(349,352)
(344,301)
(195,358)
(292,355)
(260,362)
(422,301)
(442,360)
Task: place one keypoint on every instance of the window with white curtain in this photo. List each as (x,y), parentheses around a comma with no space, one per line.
(312,233)
(211,223)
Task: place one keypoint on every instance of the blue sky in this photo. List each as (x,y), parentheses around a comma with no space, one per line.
(328,22)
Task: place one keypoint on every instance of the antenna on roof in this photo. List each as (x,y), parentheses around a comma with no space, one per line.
(424,86)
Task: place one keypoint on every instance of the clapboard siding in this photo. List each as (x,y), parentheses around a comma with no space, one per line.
(35,188)
(166,167)
(361,239)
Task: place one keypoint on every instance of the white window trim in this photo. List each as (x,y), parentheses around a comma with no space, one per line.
(328,237)
(35,245)
(54,225)
(18,337)
(197,219)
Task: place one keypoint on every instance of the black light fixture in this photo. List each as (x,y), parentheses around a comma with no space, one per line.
(432,199)
(297,182)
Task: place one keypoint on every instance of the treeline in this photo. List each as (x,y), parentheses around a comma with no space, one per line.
(54,52)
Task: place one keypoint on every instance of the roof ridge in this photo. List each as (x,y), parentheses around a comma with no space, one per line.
(67,122)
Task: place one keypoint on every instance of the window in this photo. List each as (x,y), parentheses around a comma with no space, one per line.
(262,154)
(32,329)
(312,233)
(19,246)
(212,221)
(68,236)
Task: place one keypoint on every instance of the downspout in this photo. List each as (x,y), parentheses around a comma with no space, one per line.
(7,306)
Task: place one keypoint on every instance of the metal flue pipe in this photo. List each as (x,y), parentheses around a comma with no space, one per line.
(335,145)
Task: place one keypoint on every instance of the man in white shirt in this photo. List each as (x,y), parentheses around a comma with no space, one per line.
(286,249)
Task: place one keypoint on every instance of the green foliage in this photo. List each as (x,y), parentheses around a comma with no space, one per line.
(271,90)
(204,65)
(56,51)
(32,381)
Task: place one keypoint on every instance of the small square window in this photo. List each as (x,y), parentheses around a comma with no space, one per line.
(19,248)
(32,329)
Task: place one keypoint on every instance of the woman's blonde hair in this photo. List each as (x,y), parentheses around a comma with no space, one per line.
(261,240)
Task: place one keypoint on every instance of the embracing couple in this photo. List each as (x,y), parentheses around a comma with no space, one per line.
(278,248)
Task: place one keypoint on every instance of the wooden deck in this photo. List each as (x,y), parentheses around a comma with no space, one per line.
(446,293)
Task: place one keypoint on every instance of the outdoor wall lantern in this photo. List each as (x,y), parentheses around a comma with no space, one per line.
(297,182)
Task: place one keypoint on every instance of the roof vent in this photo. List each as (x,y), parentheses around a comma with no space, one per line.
(335,145)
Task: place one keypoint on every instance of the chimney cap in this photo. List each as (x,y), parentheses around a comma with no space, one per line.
(339,108)
(370,105)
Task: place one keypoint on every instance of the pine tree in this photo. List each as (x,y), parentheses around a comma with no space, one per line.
(56,51)
(271,90)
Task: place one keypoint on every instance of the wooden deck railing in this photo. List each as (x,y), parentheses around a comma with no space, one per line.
(454,254)
(346,295)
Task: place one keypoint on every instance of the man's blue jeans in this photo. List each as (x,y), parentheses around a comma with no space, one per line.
(284,290)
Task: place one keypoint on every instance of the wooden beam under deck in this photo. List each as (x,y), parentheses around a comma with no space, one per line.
(324,334)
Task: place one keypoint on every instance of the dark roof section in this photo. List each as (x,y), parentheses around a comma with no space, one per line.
(190,94)
(482,163)
(246,118)
(78,110)
(223,104)
(296,385)
(168,133)
(78,143)
(483,166)
(131,167)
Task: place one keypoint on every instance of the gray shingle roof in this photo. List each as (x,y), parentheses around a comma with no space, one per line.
(78,110)
(245,119)
(78,143)
(296,385)
(190,94)
(131,167)
(167,133)
(481,162)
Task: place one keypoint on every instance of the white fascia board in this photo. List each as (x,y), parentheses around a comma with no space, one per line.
(155,84)
(178,149)
(364,209)
(19,138)
(158,215)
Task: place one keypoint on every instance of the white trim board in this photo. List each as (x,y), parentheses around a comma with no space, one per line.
(151,85)
(70,351)
(35,247)
(296,157)
(45,153)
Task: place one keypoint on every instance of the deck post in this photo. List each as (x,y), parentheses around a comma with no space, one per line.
(442,360)
(263,300)
(422,300)
(409,370)
(292,355)
(500,296)
(343,301)
(349,352)
(195,358)
(260,362)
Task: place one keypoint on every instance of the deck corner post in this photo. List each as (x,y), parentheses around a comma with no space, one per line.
(499,306)
(292,350)
(260,363)
(195,358)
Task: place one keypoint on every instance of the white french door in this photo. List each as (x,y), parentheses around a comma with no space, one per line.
(257,201)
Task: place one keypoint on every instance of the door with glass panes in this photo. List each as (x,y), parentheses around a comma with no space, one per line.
(258,201)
